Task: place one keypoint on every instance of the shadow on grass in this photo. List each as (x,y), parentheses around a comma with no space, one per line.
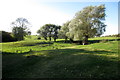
(89,41)
(75,51)
(44,44)
(60,63)
(104,40)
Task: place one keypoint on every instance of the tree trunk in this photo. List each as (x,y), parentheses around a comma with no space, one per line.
(71,40)
(54,39)
(49,38)
(65,39)
(85,40)
(45,38)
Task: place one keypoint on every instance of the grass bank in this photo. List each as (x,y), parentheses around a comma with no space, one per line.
(44,59)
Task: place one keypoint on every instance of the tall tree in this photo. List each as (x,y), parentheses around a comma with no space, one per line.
(88,23)
(20,28)
(63,31)
(43,32)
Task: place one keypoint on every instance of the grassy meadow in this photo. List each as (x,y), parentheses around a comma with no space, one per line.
(34,58)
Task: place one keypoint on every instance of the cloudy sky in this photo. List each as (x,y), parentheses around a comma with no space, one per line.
(40,12)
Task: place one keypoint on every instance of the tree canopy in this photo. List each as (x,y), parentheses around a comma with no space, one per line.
(20,28)
(49,30)
(64,30)
(87,23)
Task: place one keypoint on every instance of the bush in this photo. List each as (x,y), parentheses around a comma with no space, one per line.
(6,37)
(39,38)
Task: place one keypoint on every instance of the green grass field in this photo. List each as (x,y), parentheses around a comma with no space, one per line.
(34,58)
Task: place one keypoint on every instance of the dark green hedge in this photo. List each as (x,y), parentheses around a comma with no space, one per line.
(6,37)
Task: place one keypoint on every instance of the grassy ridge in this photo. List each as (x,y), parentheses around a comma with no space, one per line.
(60,60)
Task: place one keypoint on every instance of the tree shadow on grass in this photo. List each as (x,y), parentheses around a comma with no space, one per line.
(89,41)
(44,44)
(75,51)
(61,63)
(104,40)
(16,65)
(80,63)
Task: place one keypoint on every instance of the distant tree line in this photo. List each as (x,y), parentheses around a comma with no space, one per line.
(86,23)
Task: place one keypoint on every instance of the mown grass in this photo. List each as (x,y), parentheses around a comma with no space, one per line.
(44,59)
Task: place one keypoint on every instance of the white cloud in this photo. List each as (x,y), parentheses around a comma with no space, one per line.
(37,14)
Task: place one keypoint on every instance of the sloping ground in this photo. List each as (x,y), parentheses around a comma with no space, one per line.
(62,60)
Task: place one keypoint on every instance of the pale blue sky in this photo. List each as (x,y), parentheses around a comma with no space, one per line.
(72,7)
(40,12)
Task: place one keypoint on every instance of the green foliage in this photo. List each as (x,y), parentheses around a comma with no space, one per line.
(17,33)
(43,32)
(87,23)
(6,37)
(63,31)
(49,30)
(20,28)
